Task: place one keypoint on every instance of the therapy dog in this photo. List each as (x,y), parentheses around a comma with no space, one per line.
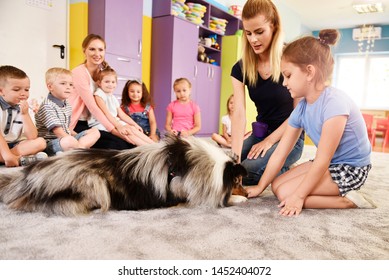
(164,174)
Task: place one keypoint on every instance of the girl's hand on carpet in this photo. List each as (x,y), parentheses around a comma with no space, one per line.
(253,191)
(291,206)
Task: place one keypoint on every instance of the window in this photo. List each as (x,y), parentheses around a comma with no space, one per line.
(364,78)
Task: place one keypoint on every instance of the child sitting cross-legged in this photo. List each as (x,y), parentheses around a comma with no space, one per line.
(53,116)
(136,104)
(110,106)
(19,141)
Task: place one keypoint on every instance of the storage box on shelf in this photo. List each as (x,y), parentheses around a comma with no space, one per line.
(175,54)
(207,22)
(119,22)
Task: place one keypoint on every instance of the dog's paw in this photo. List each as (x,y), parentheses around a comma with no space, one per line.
(236,199)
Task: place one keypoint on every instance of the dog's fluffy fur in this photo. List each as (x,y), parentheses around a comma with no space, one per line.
(158,175)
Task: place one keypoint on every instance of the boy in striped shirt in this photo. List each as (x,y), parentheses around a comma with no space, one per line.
(53,116)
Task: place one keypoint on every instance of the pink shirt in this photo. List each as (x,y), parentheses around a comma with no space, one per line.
(183,115)
(82,99)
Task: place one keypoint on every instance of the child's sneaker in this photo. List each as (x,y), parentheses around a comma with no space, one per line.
(26,160)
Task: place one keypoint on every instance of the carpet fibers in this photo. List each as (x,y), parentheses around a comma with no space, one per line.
(250,231)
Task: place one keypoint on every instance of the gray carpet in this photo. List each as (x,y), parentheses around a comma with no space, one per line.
(252,230)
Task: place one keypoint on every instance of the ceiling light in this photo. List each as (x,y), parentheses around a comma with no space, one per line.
(367,8)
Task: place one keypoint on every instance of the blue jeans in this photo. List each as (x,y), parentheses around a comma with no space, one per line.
(256,167)
(54,145)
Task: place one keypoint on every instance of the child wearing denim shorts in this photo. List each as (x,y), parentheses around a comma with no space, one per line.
(53,116)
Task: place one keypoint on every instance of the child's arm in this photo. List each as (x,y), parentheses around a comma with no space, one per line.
(101,104)
(51,120)
(29,127)
(331,135)
(127,119)
(168,122)
(59,132)
(9,159)
(197,125)
(276,160)
(153,125)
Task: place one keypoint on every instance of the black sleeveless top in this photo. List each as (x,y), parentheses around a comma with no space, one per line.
(272,100)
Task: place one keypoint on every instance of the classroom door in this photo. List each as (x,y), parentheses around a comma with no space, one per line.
(33,36)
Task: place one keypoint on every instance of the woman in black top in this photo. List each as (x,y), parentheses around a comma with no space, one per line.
(259,70)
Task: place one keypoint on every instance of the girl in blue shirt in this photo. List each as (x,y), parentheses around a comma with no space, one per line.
(335,125)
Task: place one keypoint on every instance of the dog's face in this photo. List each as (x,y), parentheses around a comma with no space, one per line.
(237,188)
(232,179)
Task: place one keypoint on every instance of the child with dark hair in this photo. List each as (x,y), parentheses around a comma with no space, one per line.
(136,103)
(109,105)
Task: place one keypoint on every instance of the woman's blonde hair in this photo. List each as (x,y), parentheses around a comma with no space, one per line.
(251,9)
(315,51)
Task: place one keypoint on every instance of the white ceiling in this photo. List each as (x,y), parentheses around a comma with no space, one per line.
(321,14)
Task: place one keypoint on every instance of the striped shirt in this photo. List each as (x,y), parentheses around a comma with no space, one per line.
(51,114)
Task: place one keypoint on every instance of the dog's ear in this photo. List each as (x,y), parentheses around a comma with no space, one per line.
(239,170)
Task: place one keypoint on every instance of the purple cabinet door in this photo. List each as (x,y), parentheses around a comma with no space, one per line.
(208,97)
(185,41)
(120,23)
(174,52)
(123,23)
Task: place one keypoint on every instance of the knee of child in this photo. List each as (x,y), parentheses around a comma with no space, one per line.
(95,132)
(40,143)
(275,187)
(69,142)
(280,194)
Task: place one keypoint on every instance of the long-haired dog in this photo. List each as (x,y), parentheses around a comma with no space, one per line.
(163,174)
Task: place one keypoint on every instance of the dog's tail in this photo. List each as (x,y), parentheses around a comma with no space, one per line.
(6,179)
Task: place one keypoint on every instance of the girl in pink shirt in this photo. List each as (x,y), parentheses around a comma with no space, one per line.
(183,115)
